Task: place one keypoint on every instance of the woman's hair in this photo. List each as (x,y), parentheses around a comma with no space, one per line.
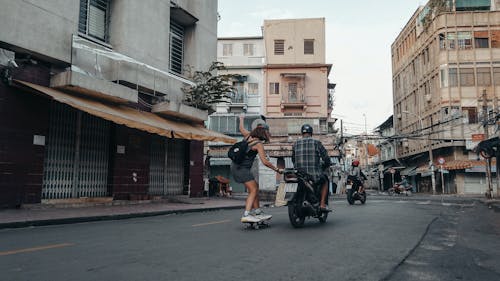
(261,133)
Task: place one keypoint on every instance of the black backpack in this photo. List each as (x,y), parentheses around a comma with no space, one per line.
(238,151)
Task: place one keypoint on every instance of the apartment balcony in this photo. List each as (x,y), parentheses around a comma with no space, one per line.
(104,74)
(293,101)
(238,102)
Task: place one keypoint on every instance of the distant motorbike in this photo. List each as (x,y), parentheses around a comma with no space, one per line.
(303,196)
(353,186)
(400,189)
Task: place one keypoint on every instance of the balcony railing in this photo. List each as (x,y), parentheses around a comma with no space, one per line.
(239,98)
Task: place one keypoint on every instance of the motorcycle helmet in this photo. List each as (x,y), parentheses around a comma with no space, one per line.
(355,163)
(306,129)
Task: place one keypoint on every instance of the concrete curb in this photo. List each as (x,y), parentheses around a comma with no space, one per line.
(72,220)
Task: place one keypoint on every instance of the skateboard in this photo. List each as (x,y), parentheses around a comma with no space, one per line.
(256,225)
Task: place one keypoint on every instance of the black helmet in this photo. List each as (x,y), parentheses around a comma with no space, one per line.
(306,129)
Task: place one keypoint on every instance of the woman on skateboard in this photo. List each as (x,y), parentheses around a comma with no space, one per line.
(242,172)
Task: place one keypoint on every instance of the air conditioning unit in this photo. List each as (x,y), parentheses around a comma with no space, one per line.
(428,98)
(7,58)
(399,115)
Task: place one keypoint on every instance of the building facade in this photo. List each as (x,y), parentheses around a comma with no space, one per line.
(91,104)
(245,57)
(297,90)
(446,86)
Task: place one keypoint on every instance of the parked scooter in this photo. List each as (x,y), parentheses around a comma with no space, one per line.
(303,196)
(400,189)
(353,187)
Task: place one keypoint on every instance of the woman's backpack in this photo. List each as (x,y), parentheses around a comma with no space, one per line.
(238,151)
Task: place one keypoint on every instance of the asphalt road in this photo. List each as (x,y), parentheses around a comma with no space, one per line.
(382,240)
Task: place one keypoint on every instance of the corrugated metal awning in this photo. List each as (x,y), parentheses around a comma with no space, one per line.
(130,117)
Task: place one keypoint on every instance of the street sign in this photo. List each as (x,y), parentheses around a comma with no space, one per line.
(380,168)
(441,160)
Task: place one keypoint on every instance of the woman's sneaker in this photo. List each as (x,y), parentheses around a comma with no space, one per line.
(250,218)
(258,213)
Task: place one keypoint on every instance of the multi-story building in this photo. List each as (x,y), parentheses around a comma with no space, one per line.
(297,90)
(446,81)
(289,86)
(91,100)
(245,57)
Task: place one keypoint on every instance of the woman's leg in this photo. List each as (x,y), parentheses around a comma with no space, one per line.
(253,193)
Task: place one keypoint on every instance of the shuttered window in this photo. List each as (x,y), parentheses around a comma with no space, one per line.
(94,18)
(309,47)
(279,47)
(467,77)
(176,47)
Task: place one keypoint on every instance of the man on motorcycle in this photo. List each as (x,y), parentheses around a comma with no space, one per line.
(307,155)
(358,175)
(403,184)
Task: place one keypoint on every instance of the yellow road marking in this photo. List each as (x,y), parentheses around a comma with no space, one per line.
(34,249)
(210,223)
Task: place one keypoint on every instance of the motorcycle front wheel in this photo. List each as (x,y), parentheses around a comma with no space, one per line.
(296,219)
(322,218)
(363,198)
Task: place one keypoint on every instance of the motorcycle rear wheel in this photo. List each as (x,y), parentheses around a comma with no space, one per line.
(296,219)
(350,198)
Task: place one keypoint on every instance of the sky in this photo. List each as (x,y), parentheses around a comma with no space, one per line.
(359,35)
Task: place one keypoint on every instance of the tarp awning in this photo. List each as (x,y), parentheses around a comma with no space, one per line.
(130,117)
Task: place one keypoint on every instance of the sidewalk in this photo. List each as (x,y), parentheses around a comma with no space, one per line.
(43,214)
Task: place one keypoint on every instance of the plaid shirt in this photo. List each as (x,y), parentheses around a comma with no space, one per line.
(307,154)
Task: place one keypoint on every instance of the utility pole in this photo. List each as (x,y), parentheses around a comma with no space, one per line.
(366,144)
(431,160)
(486,137)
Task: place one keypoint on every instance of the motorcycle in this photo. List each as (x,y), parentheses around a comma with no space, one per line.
(400,189)
(303,196)
(352,188)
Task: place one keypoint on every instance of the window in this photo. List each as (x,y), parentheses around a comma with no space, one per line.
(308,46)
(452,77)
(496,75)
(292,92)
(442,41)
(279,47)
(450,38)
(472,5)
(467,77)
(253,88)
(464,40)
(481,39)
(469,115)
(94,18)
(483,76)
(248,49)
(227,50)
(176,47)
(274,88)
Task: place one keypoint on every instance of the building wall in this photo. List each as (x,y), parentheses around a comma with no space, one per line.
(130,170)
(294,31)
(23,115)
(421,78)
(316,95)
(196,168)
(48,30)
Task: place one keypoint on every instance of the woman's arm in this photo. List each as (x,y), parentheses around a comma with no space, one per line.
(263,157)
(243,131)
